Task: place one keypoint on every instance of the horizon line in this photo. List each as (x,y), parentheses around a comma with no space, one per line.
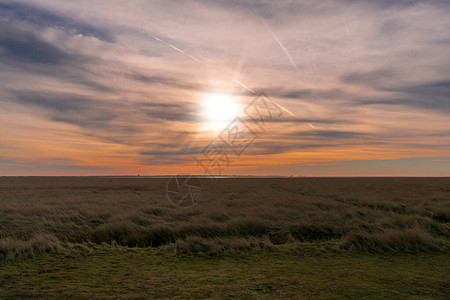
(230,176)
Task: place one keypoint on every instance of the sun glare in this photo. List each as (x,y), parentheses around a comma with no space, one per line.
(219,110)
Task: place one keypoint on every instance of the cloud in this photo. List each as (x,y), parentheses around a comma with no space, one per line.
(25,52)
(331,134)
(169,82)
(429,96)
(371,78)
(374,78)
(170,112)
(72,109)
(43,18)
(388,4)
(23,46)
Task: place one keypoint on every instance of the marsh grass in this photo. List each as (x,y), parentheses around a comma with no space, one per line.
(410,240)
(11,248)
(39,215)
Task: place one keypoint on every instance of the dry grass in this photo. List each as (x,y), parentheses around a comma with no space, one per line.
(364,214)
(40,243)
(11,248)
(410,240)
(217,246)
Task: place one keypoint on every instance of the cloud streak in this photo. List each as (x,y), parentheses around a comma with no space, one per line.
(119,89)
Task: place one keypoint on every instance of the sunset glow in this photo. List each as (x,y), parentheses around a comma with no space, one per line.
(95,88)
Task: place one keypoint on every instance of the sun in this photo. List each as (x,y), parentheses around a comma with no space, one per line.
(219,110)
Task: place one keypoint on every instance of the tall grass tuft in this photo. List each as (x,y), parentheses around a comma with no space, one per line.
(131,235)
(410,240)
(11,248)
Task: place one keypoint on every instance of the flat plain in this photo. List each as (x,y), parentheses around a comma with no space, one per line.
(92,237)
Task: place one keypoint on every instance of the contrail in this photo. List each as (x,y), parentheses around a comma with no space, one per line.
(274,103)
(238,69)
(286,52)
(181,51)
(281,107)
(234,80)
(294,65)
(244,86)
(345,23)
(173,47)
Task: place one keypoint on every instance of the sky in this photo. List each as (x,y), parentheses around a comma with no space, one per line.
(349,88)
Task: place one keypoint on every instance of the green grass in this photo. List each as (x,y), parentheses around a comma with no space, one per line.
(300,270)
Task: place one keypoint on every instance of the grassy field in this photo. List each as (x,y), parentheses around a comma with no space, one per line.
(298,272)
(246,238)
